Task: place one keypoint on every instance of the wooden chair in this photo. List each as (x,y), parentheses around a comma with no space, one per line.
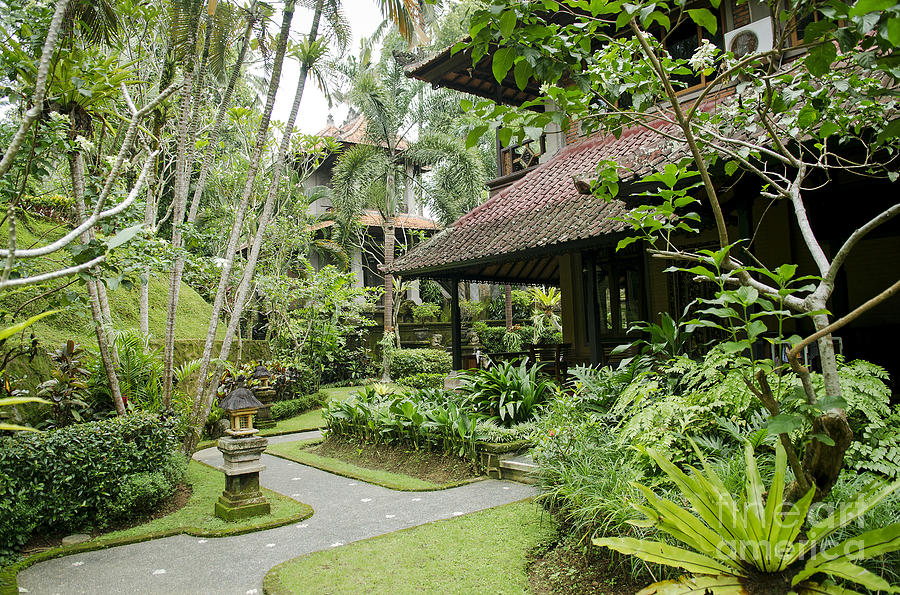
(554,357)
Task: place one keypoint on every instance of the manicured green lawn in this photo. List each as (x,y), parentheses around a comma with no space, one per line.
(293,451)
(483,552)
(310,420)
(195,518)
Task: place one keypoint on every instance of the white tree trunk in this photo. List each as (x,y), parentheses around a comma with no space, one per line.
(76,167)
(199,409)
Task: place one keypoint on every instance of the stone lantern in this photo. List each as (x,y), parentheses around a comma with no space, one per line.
(266,394)
(241,450)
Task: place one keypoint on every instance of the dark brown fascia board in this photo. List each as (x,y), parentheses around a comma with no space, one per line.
(455,269)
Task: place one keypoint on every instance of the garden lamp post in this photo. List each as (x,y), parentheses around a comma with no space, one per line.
(266,394)
(241,450)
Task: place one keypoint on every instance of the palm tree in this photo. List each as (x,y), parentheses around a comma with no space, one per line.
(311,51)
(374,175)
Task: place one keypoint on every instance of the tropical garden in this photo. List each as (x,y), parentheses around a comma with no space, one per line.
(160,252)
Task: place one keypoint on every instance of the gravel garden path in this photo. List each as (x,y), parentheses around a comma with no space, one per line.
(346,510)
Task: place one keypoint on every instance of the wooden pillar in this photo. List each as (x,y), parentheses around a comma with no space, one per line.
(455,325)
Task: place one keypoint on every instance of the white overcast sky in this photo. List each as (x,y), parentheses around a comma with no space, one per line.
(364,18)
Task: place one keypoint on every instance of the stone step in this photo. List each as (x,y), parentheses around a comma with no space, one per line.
(518,468)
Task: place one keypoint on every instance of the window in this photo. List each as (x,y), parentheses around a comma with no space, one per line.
(618,293)
(682,42)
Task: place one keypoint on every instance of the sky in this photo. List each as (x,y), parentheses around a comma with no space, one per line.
(364,18)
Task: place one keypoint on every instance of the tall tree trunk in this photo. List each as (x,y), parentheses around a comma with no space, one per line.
(76,167)
(199,408)
(243,291)
(182,186)
(507,291)
(220,116)
(389,322)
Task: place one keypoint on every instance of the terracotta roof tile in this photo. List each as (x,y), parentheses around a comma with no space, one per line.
(355,132)
(543,208)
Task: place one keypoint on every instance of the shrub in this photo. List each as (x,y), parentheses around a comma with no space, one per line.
(507,392)
(521,303)
(406,362)
(425,312)
(422,380)
(496,339)
(139,495)
(68,479)
(427,418)
(294,407)
(488,430)
(293,380)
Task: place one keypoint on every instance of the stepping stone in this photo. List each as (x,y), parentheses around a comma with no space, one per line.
(75,538)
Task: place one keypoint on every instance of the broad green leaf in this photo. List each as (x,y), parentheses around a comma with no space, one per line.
(848,512)
(816,589)
(705,19)
(820,58)
(866,6)
(784,423)
(846,570)
(11,401)
(17,328)
(892,130)
(893,31)
(475,134)
(662,553)
(15,428)
(507,23)
(522,73)
(124,235)
(697,585)
(502,62)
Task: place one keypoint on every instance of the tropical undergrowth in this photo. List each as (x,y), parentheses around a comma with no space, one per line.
(498,405)
(591,444)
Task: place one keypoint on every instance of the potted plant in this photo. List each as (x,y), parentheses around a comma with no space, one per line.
(425,312)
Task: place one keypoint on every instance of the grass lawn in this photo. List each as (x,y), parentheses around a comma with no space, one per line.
(195,518)
(310,420)
(483,552)
(294,451)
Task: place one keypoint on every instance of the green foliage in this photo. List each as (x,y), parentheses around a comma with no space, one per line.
(426,418)
(293,380)
(507,392)
(422,380)
(69,479)
(496,339)
(406,362)
(521,303)
(425,311)
(750,540)
(294,407)
(875,425)
(488,430)
(67,387)
(470,311)
(319,320)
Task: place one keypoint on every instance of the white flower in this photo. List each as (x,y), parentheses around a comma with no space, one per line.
(703,57)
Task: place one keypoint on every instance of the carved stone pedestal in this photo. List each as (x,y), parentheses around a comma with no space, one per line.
(264,415)
(242,497)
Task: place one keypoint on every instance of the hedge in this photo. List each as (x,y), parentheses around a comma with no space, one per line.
(294,407)
(85,475)
(406,362)
(422,380)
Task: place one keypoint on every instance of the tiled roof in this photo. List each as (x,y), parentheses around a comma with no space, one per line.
(544,209)
(353,132)
(373,218)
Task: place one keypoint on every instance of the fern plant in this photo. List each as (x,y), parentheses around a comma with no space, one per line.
(750,544)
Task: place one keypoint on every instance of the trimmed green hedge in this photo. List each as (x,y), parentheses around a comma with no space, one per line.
(85,475)
(406,362)
(423,381)
(294,407)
